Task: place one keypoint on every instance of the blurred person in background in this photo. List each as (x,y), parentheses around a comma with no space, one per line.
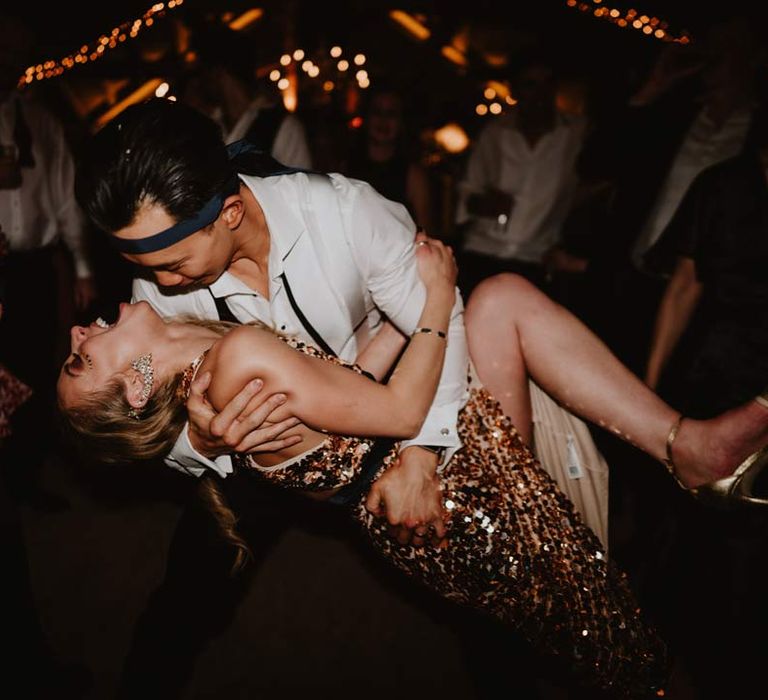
(37,211)
(382,156)
(224,86)
(518,183)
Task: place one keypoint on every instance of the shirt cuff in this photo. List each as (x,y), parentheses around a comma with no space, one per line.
(440,432)
(186,459)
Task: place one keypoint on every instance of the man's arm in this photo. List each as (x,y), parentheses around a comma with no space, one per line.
(381,236)
(69,217)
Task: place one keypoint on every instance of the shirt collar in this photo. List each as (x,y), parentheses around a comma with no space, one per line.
(284,225)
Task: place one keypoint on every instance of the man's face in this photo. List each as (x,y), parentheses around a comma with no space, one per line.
(536,91)
(198,260)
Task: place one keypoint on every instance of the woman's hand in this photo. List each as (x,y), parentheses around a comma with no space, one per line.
(437,265)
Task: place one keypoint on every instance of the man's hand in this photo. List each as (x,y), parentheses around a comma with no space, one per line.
(408,495)
(492,203)
(242,426)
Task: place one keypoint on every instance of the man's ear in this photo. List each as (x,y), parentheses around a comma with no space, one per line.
(233,211)
(133,382)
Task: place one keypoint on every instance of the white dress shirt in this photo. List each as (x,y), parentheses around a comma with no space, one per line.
(539,178)
(705,144)
(43,208)
(378,236)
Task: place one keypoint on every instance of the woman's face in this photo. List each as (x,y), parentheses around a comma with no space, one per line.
(385,118)
(99,353)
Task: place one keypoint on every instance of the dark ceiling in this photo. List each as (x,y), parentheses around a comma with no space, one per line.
(580,43)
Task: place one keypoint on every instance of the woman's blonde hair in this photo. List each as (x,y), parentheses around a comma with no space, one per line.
(103,430)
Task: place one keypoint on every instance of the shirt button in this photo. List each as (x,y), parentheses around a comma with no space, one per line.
(445,431)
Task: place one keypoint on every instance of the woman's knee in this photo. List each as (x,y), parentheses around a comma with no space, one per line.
(505,293)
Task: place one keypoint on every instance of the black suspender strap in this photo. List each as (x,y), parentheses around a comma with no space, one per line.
(225,313)
(305,321)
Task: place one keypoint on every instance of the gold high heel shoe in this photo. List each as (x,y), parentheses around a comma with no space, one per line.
(731,490)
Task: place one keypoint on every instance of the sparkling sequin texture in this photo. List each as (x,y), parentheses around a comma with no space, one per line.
(516,549)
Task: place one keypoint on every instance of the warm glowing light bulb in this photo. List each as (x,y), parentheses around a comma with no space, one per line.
(362,75)
(343,65)
(359,59)
(481,109)
(489,93)
(285,59)
(283,83)
(328,85)
(452,138)
(495,108)
(298,54)
(274,75)
(336,51)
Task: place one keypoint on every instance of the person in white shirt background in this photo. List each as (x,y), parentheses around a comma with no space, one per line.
(223,85)
(38,212)
(519,181)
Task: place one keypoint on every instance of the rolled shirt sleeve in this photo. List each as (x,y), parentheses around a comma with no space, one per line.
(381,235)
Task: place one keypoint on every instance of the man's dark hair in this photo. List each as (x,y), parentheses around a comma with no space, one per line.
(157,152)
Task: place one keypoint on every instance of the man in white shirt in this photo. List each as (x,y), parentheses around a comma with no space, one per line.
(37,211)
(518,183)
(321,258)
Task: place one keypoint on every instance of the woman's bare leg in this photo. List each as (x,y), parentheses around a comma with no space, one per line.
(515,331)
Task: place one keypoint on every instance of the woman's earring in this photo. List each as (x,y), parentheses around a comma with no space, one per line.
(143,365)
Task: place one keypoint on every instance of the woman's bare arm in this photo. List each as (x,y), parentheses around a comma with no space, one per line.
(330,398)
(677,306)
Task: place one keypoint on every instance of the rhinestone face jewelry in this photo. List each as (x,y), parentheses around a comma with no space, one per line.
(101,323)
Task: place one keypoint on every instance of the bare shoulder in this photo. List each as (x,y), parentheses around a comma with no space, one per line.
(246,353)
(248,346)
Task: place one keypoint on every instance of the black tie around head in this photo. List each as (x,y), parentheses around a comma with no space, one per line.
(245,159)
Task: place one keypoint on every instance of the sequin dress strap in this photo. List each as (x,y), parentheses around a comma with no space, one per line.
(188,376)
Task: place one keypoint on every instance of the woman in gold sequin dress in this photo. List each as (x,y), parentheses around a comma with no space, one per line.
(511,544)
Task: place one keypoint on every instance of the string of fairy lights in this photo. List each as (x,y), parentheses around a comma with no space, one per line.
(630,19)
(496,96)
(98,48)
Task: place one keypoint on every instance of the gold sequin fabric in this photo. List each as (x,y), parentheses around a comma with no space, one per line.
(515,550)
